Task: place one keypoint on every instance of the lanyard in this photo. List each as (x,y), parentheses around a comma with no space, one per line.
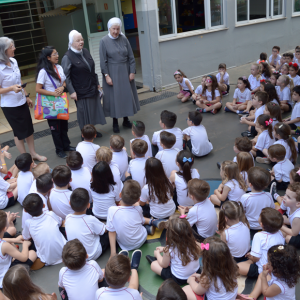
(57,73)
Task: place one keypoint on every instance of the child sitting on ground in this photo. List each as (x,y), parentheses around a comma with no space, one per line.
(270,221)
(202,216)
(185,86)
(169,289)
(136,168)
(119,154)
(274,112)
(223,79)
(254,78)
(87,148)
(81,176)
(167,122)
(168,155)
(232,187)
(198,91)
(294,73)
(40,228)
(25,164)
(196,136)
(138,131)
(274,57)
(254,202)
(284,90)
(60,195)
(245,163)
(218,279)
(125,222)
(294,120)
(262,57)
(180,255)
(118,271)
(242,144)
(86,229)
(79,278)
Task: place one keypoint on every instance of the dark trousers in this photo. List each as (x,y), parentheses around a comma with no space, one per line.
(59,131)
(154,150)
(253,131)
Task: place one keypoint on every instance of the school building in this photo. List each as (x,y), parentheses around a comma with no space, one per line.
(165,35)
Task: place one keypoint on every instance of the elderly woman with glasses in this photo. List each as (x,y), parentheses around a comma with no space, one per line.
(15,101)
(82,82)
(118,68)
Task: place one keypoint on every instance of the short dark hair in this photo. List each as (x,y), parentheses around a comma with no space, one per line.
(168,118)
(3,219)
(138,127)
(262,97)
(61,175)
(117,271)
(74,255)
(259,178)
(168,139)
(222,66)
(295,187)
(243,144)
(44,183)
(271,219)
(277,48)
(89,132)
(116,142)
(263,56)
(79,199)
(131,192)
(170,290)
(289,54)
(74,160)
(296,89)
(102,178)
(139,147)
(195,117)
(33,204)
(277,151)
(23,162)
(199,189)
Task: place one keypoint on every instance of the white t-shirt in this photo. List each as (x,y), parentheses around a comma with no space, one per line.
(209,95)
(4,186)
(123,293)
(117,176)
(136,169)
(147,140)
(254,83)
(199,89)
(102,202)
(200,144)
(40,229)
(296,113)
(287,293)
(238,239)
(253,204)
(212,294)
(33,188)
(203,214)
(176,131)
(158,210)
(264,141)
(180,271)
(245,177)
(44,79)
(184,84)
(236,192)
(295,214)
(284,95)
(181,188)
(121,160)
(276,60)
(127,222)
(259,111)
(83,283)
(5,262)
(24,181)
(225,78)
(81,179)
(60,202)
(168,160)
(10,76)
(261,243)
(242,96)
(296,79)
(283,169)
(288,150)
(87,230)
(88,152)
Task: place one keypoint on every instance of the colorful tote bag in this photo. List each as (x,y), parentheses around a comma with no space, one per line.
(51,107)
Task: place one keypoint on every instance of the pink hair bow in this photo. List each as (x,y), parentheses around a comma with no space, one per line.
(244,78)
(269,122)
(298,172)
(204,246)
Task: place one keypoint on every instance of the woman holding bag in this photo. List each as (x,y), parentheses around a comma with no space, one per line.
(50,81)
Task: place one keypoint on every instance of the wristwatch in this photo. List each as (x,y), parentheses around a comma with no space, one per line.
(27,95)
(106,75)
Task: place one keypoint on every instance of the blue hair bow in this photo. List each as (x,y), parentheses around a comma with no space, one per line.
(187,159)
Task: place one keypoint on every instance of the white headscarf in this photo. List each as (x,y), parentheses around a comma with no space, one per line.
(114,21)
(71,38)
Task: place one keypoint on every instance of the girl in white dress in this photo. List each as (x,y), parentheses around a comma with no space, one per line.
(185,86)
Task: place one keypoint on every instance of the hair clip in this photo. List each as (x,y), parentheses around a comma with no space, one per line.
(134,123)
(280,247)
(261,61)
(263,80)
(205,246)
(187,159)
(280,125)
(269,122)
(182,217)
(244,78)
(177,73)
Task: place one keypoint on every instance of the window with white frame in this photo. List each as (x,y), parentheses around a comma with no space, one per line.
(179,16)
(296,7)
(251,10)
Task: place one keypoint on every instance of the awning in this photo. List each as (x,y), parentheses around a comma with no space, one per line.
(11,1)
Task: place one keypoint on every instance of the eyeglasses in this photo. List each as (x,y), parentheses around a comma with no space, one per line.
(54,54)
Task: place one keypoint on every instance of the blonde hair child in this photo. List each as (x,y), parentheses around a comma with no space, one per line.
(284,90)
(245,162)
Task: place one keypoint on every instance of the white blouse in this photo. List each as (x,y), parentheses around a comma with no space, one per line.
(44,79)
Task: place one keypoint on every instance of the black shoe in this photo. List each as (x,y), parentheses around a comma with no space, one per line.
(127,123)
(124,252)
(135,259)
(150,259)
(99,134)
(116,128)
(150,229)
(62,154)
(218,165)
(273,190)
(70,148)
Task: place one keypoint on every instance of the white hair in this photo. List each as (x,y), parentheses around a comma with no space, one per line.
(71,37)
(5,43)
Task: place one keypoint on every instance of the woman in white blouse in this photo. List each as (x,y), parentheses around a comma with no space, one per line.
(48,67)
(15,102)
